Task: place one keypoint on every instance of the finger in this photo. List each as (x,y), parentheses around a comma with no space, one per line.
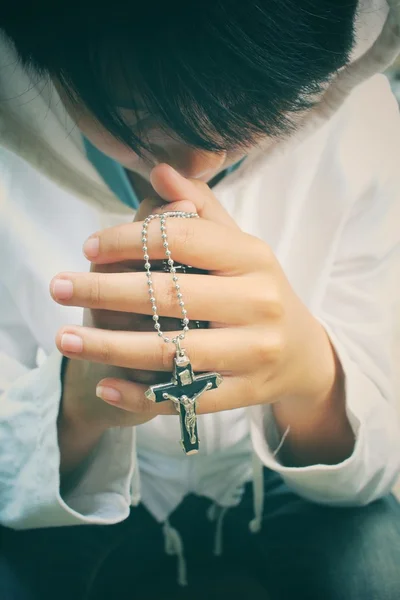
(197,242)
(156,204)
(224,350)
(118,391)
(179,206)
(205,297)
(146,207)
(234,392)
(175,188)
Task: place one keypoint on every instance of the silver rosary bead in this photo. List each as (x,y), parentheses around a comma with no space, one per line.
(185,388)
(172,270)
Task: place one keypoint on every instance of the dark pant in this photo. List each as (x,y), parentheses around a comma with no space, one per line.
(304,551)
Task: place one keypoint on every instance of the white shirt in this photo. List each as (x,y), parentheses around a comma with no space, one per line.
(329,207)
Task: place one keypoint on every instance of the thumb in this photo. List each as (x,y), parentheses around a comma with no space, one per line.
(182,193)
(156,204)
(146,207)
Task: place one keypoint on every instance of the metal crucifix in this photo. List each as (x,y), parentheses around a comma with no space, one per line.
(184,390)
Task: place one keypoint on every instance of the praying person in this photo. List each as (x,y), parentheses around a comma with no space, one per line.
(199,277)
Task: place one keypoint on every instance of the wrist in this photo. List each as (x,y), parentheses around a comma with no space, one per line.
(76,436)
(328,374)
(72,415)
(320,432)
(313,371)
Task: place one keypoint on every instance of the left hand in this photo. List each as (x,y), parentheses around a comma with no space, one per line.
(262,338)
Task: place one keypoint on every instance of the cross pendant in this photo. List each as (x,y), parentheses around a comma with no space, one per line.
(184,390)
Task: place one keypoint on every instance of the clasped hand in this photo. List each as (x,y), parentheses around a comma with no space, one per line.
(262,339)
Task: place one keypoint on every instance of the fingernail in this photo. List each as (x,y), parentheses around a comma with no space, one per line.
(71,342)
(91,247)
(108,394)
(62,289)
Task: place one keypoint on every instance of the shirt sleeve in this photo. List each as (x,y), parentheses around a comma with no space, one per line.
(30,458)
(360,312)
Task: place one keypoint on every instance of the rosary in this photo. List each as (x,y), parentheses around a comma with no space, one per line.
(185,388)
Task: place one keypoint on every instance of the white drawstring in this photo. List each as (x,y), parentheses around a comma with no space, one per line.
(174,547)
(217,513)
(218,542)
(173,541)
(258,494)
(212,512)
(276,452)
(258,486)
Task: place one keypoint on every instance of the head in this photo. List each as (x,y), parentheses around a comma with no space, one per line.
(195,85)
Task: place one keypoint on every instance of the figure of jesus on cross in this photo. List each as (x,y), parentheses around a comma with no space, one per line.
(184,390)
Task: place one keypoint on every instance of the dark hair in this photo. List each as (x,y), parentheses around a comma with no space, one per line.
(218,74)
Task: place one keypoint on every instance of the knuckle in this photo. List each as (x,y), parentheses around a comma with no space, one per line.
(277,346)
(94,292)
(115,241)
(165,294)
(183,234)
(118,241)
(264,254)
(168,300)
(268,304)
(166,355)
(104,351)
(269,347)
(143,405)
(275,304)
(260,306)
(262,349)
